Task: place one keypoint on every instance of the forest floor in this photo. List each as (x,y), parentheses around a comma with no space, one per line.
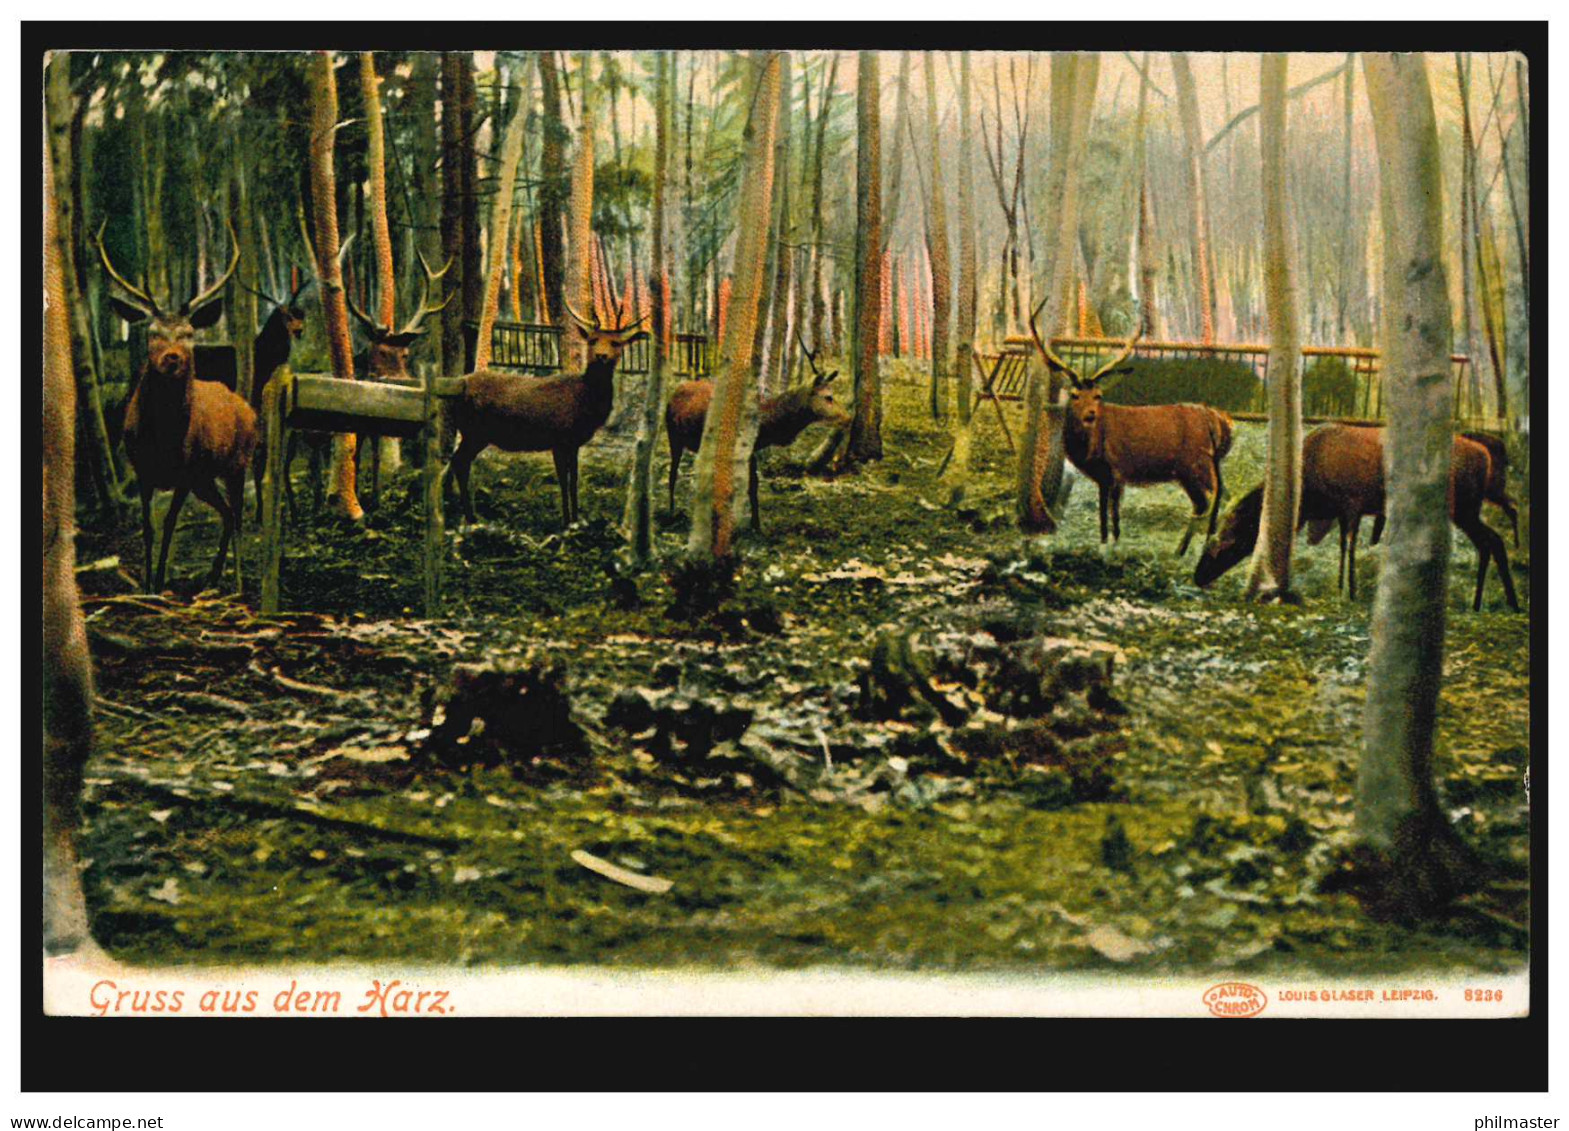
(295,789)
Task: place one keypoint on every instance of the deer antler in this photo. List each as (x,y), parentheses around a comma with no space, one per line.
(1052,360)
(425,309)
(216,289)
(375,330)
(141,299)
(1127,350)
(578,318)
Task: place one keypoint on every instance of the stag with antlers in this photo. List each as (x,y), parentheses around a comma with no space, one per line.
(183,434)
(1127,445)
(386,357)
(780,420)
(558,414)
(271,353)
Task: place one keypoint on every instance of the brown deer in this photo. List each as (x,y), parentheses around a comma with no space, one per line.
(271,353)
(780,420)
(1498,480)
(558,414)
(1128,445)
(1342,480)
(386,356)
(182,434)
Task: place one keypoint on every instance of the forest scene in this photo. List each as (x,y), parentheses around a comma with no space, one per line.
(1112,550)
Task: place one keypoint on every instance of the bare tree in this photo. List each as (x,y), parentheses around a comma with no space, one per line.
(329,270)
(500,225)
(866,438)
(638,518)
(1041,454)
(1198,203)
(381,232)
(732,415)
(579,291)
(68,673)
(1415,858)
(1270,578)
(937,243)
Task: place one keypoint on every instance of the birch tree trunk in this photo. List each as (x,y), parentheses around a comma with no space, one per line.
(68,675)
(1270,577)
(956,475)
(866,436)
(1198,204)
(1041,452)
(335,311)
(391,452)
(500,225)
(819,303)
(638,518)
(451,213)
(783,238)
(937,243)
(552,160)
(579,291)
(726,449)
(1414,856)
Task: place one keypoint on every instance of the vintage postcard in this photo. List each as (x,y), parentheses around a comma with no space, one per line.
(587,532)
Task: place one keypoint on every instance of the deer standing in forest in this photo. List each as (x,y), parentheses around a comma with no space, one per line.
(182,434)
(558,414)
(780,420)
(1131,445)
(270,353)
(386,357)
(1498,479)
(1343,480)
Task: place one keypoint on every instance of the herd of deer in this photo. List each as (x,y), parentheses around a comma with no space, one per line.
(188,435)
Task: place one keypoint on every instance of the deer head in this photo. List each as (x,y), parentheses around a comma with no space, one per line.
(388,357)
(1233,541)
(816,398)
(1085,401)
(287,312)
(172,333)
(605,344)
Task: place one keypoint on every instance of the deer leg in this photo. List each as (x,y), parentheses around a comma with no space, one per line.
(147,535)
(1351,558)
(1340,578)
(235,485)
(1105,504)
(577,510)
(1507,505)
(1490,545)
(207,491)
(564,481)
(1378,528)
(1116,512)
(169,518)
(751,493)
(1199,497)
(459,466)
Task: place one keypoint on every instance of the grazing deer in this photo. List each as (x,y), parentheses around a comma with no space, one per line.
(271,353)
(1123,445)
(1342,480)
(780,420)
(558,414)
(386,357)
(182,434)
(1498,480)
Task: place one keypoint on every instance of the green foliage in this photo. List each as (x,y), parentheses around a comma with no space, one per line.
(1331,388)
(1228,385)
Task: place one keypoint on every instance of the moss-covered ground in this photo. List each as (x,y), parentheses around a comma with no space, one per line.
(263,790)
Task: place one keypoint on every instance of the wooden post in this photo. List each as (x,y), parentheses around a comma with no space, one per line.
(274,404)
(434,527)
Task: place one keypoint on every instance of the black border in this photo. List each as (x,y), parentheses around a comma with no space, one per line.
(620,1054)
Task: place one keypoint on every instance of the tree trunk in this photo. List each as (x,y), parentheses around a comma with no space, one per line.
(452,211)
(965,327)
(579,292)
(68,675)
(1041,455)
(901,127)
(242,312)
(825,104)
(866,435)
(1198,204)
(391,452)
(335,311)
(937,244)
(552,192)
(728,439)
(1347,109)
(500,226)
(1414,856)
(1149,254)
(473,264)
(1270,578)
(784,237)
(638,519)
(102,462)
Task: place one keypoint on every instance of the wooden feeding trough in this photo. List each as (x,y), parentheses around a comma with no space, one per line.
(329,404)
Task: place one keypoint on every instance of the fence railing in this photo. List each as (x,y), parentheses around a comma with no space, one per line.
(534,347)
(1235,376)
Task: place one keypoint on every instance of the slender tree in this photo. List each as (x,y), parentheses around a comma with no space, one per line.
(472,261)
(732,415)
(784,233)
(1408,846)
(452,141)
(1041,455)
(68,675)
(1198,203)
(1270,578)
(500,225)
(381,231)
(937,245)
(579,293)
(1149,253)
(638,519)
(956,474)
(866,436)
(335,312)
(824,108)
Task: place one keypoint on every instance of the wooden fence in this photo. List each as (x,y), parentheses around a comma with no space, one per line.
(531,347)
